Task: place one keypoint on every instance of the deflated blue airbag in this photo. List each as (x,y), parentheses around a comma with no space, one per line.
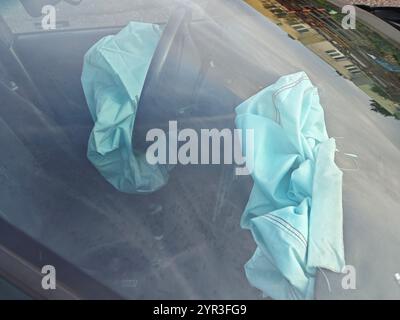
(295,208)
(113,75)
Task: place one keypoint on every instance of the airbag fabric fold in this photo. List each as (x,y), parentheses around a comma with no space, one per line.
(295,208)
(113,76)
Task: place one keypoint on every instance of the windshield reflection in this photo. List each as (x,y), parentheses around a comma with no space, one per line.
(360,55)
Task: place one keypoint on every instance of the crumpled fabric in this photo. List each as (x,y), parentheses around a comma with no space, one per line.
(113,76)
(294,211)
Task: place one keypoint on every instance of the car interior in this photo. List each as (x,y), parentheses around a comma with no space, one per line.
(185,240)
(46,123)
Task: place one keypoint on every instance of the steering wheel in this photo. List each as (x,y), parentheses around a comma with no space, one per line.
(178,19)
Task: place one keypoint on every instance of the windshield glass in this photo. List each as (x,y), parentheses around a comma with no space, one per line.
(88,14)
(183,239)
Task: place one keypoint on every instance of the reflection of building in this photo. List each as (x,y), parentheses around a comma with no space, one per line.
(318,26)
(302,23)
